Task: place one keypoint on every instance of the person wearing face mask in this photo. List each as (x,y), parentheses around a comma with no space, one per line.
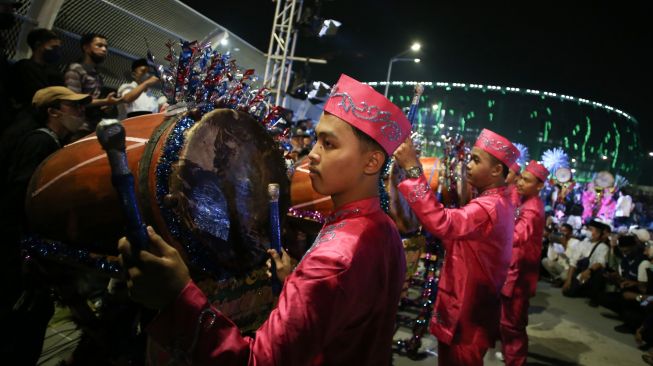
(26,306)
(584,276)
(84,78)
(137,96)
(40,70)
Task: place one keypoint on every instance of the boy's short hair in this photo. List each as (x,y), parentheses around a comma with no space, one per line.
(505,170)
(138,63)
(88,39)
(367,142)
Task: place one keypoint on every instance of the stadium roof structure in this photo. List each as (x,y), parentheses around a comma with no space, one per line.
(596,136)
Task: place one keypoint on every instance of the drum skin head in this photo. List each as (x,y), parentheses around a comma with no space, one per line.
(220,187)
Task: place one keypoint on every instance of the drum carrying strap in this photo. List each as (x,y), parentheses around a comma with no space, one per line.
(51,133)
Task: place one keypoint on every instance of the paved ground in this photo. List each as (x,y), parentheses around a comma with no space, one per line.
(562,332)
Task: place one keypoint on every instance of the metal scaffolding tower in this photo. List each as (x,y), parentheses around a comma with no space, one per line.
(281,48)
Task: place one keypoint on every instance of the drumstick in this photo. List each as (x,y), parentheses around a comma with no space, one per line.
(111,135)
(275,232)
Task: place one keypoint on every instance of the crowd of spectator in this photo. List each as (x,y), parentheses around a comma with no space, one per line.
(611,267)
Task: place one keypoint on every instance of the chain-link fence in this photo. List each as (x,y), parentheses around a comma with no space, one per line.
(11,36)
(127,24)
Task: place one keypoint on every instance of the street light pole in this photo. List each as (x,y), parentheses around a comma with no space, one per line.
(387,79)
(415,47)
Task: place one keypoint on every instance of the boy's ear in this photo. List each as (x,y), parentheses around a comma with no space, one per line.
(375,160)
(497,170)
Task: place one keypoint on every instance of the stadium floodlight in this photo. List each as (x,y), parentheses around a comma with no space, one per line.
(329,28)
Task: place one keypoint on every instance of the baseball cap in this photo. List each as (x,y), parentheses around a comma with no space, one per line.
(52,94)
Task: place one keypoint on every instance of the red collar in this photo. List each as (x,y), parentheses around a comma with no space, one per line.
(497,190)
(362,207)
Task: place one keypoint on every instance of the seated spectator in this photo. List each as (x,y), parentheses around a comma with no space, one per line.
(137,95)
(630,280)
(559,253)
(585,275)
(40,70)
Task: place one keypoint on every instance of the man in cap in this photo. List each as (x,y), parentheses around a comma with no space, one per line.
(478,242)
(583,276)
(60,112)
(524,265)
(339,305)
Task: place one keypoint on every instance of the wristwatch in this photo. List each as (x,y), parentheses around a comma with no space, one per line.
(414,172)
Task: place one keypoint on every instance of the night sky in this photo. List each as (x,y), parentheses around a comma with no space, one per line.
(594,50)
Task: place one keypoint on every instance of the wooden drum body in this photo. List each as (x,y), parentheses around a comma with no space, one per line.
(202,185)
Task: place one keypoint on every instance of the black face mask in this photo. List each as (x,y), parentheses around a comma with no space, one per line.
(7,20)
(52,55)
(97,59)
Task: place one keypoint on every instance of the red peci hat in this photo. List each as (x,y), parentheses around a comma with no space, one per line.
(497,146)
(366,109)
(537,170)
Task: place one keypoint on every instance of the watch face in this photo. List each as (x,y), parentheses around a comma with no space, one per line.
(414,172)
(563,175)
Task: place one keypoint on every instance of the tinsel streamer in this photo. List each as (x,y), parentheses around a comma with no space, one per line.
(384,198)
(306,214)
(524,156)
(35,246)
(184,66)
(456,153)
(412,112)
(202,79)
(555,158)
(620,181)
(410,347)
(168,73)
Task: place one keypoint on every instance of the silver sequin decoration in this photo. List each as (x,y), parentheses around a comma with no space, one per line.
(370,113)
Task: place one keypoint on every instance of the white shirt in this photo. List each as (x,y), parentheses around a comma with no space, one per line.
(600,254)
(624,206)
(642,276)
(146,102)
(570,253)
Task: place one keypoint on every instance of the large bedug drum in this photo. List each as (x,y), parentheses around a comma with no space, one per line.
(201,184)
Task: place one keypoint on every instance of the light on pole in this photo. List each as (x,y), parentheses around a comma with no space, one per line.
(414,48)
